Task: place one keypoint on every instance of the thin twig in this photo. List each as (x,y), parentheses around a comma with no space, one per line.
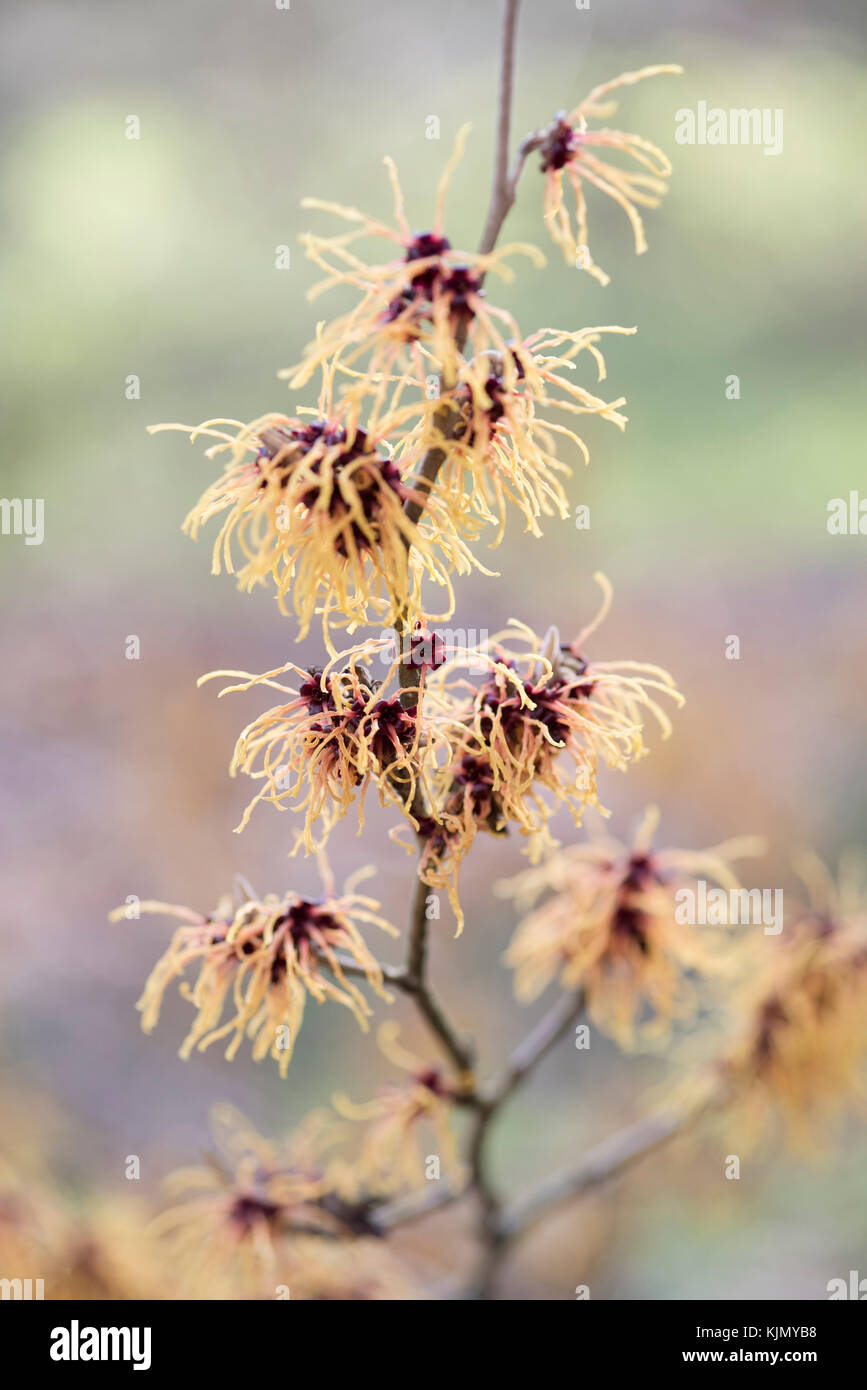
(607,1160)
(502,193)
(527,1055)
(459,1051)
(416,957)
(410,978)
(551,1027)
(412,1207)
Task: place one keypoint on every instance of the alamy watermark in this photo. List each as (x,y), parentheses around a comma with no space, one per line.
(76,1343)
(730,907)
(852,1288)
(24,1290)
(468,645)
(715,125)
(847,517)
(23,516)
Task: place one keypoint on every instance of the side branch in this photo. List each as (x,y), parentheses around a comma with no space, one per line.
(403,1210)
(607,1160)
(527,1055)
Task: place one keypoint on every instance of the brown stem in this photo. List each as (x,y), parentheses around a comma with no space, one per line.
(490,1203)
(414,977)
(502,192)
(447,422)
(448,425)
(459,1051)
(525,1058)
(416,959)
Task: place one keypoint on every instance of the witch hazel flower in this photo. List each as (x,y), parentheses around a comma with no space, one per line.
(315,504)
(797,1056)
(338,732)
(427,295)
(570,154)
(544,699)
(530,737)
(261,961)
(400,1124)
(502,425)
(259,1212)
(609,926)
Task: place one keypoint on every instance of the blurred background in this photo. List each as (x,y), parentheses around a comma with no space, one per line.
(155,258)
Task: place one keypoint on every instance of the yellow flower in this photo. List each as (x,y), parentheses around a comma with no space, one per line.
(399,1126)
(801,1049)
(610,929)
(231,1234)
(337,733)
(563,704)
(264,959)
(497,436)
(426,299)
(445,837)
(539,722)
(567,151)
(315,504)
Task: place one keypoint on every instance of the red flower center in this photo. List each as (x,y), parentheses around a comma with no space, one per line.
(285,446)
(559,145)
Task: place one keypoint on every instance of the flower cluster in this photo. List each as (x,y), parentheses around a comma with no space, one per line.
(539,723)
(339,731)
(339,505)
(499,433)
(437,416)
(455,756)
